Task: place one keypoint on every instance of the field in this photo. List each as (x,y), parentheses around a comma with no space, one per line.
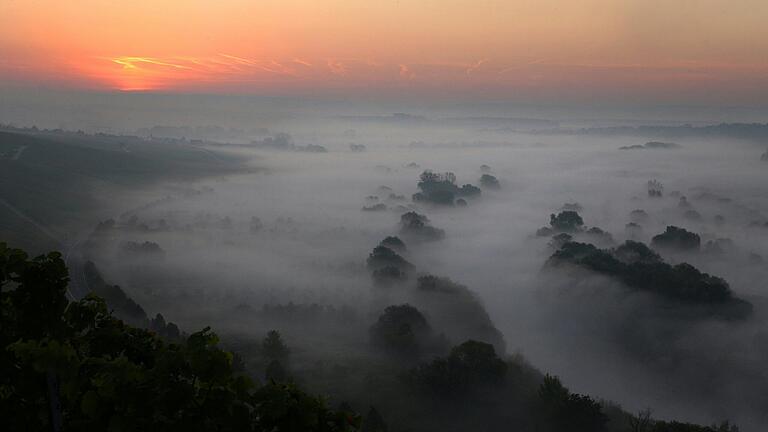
(53,185)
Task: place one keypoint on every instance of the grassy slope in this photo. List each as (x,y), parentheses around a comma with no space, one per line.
(52,182)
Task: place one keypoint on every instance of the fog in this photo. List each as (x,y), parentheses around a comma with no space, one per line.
(219,266)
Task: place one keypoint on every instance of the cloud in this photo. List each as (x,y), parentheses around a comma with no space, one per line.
(406,72)
(302,62)
(475,66)
(134,62)
(336,67)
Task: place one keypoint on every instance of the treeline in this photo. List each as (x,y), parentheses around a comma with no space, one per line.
(72,365)
(747,131)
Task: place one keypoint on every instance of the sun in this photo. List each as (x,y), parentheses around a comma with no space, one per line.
(135,73)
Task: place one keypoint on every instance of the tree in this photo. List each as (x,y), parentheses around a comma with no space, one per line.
(559,240)
(444,300)
(394,243)
(562,410)
(641,269)
(469,190)
(470,366)
(255,225)
(400,329)
(636,252)
(117,300)
(638,215)
(489,181)
(276,372)
(375,207)
(417,226)
(675,426)
(382,256)
(373,422)
(273,348)
(388,275)
(566,221)
(655,188)
(641,422)
(437,188)
(73,366)
(677,238)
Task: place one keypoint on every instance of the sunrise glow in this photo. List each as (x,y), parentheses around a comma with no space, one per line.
(491,47)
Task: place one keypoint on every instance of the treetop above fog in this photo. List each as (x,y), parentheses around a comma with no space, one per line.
(73,366)
(641,269)
(677,239)
(441,188)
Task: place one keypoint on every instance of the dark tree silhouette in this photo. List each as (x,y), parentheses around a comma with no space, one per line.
(373,422)
(273,348)
(641,269)
(382,256)
(566,221)
(417,227)
(678,239)
(490,182)
(563,410)
(469,366)
(73,366)
(401,330)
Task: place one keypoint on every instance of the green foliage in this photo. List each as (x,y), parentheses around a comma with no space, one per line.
(437,188)
(674,426)
(469,190)
(169,331)
(469,366)
(122,306)
(490,182)
(677,238)
(388,275)
(276,372)
(375,207)
(443,300)
(599,236)
(562,410)
(566,221)
(641,269)
(636,252)
(382,256)
(393,243)
(76,362)
(441,188)
(417,226)
(401,330)
(273,348)
(558,240)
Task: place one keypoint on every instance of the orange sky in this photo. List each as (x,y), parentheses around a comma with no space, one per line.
(483,46)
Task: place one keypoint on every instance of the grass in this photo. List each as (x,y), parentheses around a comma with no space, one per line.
(53,181)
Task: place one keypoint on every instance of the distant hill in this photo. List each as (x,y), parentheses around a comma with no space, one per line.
(48,178)
(746,131)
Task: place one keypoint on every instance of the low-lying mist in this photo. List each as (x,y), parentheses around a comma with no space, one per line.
(284,247)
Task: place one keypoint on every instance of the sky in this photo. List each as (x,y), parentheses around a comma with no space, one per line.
(688,51)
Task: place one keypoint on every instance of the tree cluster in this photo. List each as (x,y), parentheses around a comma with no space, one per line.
(641,269)
(676,238)
(418,227)
(73,366)
(436,188)
(567,221)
